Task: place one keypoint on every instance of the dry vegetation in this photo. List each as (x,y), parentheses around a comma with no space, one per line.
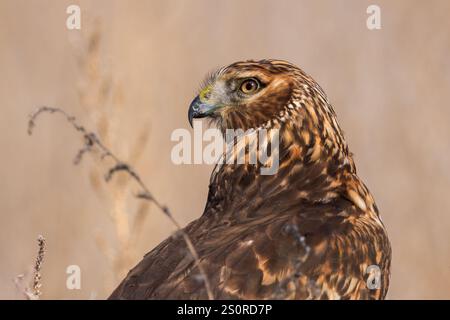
(92,144)
(97,91)
(29,284)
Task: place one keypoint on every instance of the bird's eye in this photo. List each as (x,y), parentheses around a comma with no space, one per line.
(249,86)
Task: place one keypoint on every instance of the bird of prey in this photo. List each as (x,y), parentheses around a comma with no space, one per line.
(311,230)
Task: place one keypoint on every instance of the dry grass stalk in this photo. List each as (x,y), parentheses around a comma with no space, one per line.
(93,142)
(23,281)
(102,97)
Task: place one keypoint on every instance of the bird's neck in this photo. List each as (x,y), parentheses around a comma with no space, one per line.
(314,167)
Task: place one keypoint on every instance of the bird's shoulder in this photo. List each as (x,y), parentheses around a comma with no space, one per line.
(317,251)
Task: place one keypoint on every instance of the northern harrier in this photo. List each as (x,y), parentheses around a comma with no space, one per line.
(310,231)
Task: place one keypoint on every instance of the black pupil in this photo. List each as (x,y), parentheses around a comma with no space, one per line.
(250,85)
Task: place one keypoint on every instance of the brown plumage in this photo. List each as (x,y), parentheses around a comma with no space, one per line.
(309,231)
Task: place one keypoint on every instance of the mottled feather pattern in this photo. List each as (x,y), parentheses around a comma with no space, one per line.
(310,231)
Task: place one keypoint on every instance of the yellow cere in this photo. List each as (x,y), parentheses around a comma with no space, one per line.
(204,92)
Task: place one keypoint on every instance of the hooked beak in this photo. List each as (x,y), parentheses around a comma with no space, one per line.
(198,109)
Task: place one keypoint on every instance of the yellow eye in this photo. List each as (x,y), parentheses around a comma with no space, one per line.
(249,86)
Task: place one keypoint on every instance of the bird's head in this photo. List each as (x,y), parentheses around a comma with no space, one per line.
(246,94)
(273,94)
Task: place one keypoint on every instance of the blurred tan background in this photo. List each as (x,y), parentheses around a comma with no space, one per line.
(130,74)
